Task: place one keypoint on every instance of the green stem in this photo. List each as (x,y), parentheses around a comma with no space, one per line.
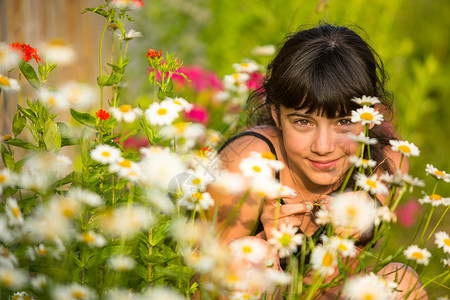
(317,281)
(233,212)
(399,197)
(437,224)
(426,225)
(18,93)
(100,58)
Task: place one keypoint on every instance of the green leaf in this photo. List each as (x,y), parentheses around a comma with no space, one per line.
(29,73)
(22,144)
(52,138)
(19,122)
(66,135)
(83,118)
(98,10)
(28,113)
(130,18)
(8,159)
(131,133)
(108,80)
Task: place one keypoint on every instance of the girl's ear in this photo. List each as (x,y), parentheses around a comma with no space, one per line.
(275,115)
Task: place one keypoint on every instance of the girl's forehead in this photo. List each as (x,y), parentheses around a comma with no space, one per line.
(306,112)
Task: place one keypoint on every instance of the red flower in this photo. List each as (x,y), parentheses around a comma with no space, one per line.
(206,149)
(152,53)
(26,52)
(102,114)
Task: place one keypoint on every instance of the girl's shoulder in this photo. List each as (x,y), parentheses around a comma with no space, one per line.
(255,139)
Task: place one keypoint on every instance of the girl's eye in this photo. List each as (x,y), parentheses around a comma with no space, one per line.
(302,122)
(345,122)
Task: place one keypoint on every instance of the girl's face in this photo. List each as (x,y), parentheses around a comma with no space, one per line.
(318,148)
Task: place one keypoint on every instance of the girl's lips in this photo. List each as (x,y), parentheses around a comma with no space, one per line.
(324,164)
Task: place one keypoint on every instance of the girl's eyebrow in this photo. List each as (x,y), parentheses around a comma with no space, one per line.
(298,114)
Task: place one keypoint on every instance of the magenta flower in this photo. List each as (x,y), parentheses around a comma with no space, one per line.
(197,114)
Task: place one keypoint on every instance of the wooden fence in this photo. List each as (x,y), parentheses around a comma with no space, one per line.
(35,21)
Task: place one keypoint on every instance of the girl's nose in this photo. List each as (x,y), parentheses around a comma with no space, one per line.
(323,142)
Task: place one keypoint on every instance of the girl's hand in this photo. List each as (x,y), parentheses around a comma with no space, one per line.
(274,214)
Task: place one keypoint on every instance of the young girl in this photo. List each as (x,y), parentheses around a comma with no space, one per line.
(302,115)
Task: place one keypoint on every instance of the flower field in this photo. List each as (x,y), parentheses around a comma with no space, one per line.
(104,188)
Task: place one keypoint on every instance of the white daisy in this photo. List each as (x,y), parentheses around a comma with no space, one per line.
(362,162)
(440,175)
(443,241)
(265,50)
(92,239)
(384,214)
(7,258)
(53,98)
(368,287)
(446,262)
(131,34)
(391,179)
(121,263)
(267,187)
(353,210)
(252,167)
(236,82)
(73,291)
(409,180)
(324,260)
(229,183)
(58,51)
(405,148)
(12,278)
(6,235)
(163,113)
(126,113)
(366,100)
(8,58)
(196,201)
(13,211)
(106,154)
(421,256)
(160,200)
(249,249)
(126,221)
(322,217)
(21,296)
(39,282)
(84,196)
(48,223)
(239,295)
(367,115)
(80,96)
(345,247)
(9,84)
(126,4)
(285,240)
(7,179)
(269,158)
(248,66)
(371,184)
(157,293)
(180,103)
(125,168)
(361,138)
(434,200)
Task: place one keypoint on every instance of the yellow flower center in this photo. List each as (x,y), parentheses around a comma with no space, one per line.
(368,297)
(366,116)
(285,240)
(342,247)
(256,169)
(177,102)
(181,127)
(4,81)
(52,101)
(67,208)
(327,259)
(106,154)
(2,178)
(244,65)
(197,196)
(16,212)
(351,211)
(41,251)
(57,43)
(364,161)
(87,237)
(247,249)
(246,296)
(125,163)
(196,181)
(268,155)
(162,111)
(439,173)
(236,76)
(7,280)
(2,54)
(417,255)
(404,149)
(435,197)
(6,137)
(231,278)
(447,242)
(371,183)
(78,294)
(125,108)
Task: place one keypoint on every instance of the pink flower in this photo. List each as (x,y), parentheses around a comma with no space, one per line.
(255,81)
(201,79)
(197,114)
(408,213)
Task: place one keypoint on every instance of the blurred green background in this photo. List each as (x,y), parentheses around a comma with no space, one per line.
(411,36)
